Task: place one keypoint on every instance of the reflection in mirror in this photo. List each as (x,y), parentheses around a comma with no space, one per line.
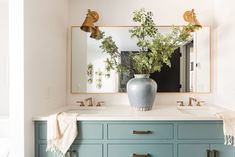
(190,70)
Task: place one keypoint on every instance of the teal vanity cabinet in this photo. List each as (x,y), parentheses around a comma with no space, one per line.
(142,139)
(195,138)
(199,150)
(89,142)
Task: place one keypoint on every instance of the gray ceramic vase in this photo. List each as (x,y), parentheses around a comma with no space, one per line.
(141,92)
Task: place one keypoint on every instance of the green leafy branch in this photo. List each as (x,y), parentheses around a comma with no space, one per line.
(113,61)
(155,49)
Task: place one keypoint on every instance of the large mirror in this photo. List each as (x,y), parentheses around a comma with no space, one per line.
(190,70)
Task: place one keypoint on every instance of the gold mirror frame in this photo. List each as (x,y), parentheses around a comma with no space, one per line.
(70,75)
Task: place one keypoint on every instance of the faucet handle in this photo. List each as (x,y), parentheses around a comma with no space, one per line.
(181,103)
(200,103)
(81,103)
(100,103)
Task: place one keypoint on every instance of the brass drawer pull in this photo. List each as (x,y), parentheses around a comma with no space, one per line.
(214,153)
(139,155)
(71,153)
(142,132)
(208,153)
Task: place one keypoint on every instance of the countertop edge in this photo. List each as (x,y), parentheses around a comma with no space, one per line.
(137,119)
(124,113)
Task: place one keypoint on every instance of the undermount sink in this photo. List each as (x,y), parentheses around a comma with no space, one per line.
(198,110)
(85,109)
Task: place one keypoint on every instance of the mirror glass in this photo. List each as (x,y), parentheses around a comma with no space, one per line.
(190,70)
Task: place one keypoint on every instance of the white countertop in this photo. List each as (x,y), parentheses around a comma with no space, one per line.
(125,112)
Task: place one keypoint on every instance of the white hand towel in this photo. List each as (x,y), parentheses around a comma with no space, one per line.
(229,127)
(61,132)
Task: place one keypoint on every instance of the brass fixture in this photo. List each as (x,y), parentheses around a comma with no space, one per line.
(190,103)
(100,103)
(200,103)
(89,101)
(88,25)
(91,18)
(141,155)
(81,103)
(190,17)
(96,33)
(141,132)
(71,153)
(181,103)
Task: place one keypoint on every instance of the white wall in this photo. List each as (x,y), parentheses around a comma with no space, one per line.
(4,127)
(225,51)
(45,60)
(4,36)
(119,13)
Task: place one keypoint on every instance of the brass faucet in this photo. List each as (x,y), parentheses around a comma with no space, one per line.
(89,101)
(190,103)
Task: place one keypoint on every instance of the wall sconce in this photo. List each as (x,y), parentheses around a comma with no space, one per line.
(96,33)
(91,18)
(190,16)
(88,25)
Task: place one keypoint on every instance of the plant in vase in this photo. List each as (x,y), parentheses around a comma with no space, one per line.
(155,50)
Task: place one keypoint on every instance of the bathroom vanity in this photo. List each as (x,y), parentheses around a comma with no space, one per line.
(105,133)
(121,132)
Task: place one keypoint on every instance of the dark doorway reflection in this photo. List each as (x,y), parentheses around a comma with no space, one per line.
(168,80)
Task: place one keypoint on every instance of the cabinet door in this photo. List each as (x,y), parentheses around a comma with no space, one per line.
(87,150)
(223,150)
(192,150)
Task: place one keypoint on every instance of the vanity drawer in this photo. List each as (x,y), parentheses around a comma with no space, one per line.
(198,131)
(143,150)
(151,131)
(86,131)
(90,131)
